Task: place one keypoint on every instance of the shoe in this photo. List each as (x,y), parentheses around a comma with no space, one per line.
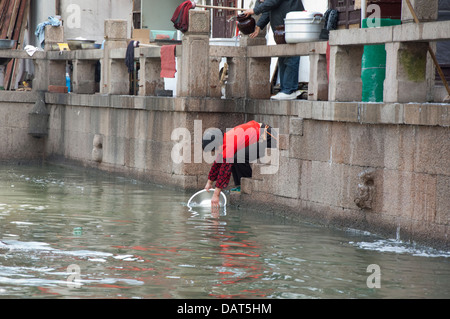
(237,189)
(283,96)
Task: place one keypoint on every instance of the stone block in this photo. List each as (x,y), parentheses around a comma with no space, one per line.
(199,22)
(193,67)
(318,78)
(345,73)
(150,80)
(442,200)
(56,73)
(115,29)
(236,82)
(296,126)
(406,72)
(258,78)
(53,35)
(426,10)
(283,141)
(83,81)
(247,185)
(314,144)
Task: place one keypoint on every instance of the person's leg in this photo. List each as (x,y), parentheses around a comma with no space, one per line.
(240,170)
(281,72)
(289,74)
(288,71)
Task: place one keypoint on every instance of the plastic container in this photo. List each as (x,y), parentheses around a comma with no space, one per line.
(373,64)
(162,35)
(68,82)
(303,26)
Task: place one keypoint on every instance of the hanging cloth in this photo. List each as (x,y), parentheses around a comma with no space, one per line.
(168,63)
(180,17)
(129,57)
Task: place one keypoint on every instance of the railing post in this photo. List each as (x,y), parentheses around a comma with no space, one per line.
(426,10)
(84,76)
(150,75)
(257,70)
(318,78)
(345,73)
(406,72)
(114,74)
(54,70)
(193,67)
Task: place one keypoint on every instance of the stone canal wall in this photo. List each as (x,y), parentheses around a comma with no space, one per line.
(371,166)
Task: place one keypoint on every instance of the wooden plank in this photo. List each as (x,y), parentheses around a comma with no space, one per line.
(3,8)
(16,31)
(7,19)
(23,19)
(12,24)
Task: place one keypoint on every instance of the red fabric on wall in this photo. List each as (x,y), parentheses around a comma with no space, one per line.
(168,64)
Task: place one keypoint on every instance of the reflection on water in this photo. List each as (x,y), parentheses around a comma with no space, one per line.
(71,233)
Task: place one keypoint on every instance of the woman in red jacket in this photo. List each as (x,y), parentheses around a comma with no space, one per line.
(238,147)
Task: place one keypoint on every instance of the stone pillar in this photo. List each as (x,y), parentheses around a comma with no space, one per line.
(318,78)
(237,77)
(55,70)
(426,10)
(83,81)
(257,70)
(193,67)
(345,73)
(215,83)
(150,76)
(114,74)
(406,72)
(40,80)
(53,36)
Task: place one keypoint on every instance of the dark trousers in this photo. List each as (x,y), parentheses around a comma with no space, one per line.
(241,166)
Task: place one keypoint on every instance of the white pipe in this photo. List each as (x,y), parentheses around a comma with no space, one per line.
(363,10)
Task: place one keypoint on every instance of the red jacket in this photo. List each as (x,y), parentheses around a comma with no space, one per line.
(234,140)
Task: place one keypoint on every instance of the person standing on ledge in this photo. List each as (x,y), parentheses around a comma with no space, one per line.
(287,66)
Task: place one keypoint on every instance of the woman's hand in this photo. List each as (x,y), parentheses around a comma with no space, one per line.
(208,185)
(248,12)
(255,33)
(215,201)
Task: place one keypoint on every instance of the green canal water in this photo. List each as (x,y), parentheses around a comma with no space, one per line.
(71,233)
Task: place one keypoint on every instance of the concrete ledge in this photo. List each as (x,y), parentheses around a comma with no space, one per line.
(423,32)
(426,114)
(21,54)
(377,113)
(298,49)
(226,51)
(18,97)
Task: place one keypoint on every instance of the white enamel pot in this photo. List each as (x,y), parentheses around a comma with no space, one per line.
(303,26)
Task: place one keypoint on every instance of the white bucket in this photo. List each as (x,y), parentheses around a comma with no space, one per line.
(303,26)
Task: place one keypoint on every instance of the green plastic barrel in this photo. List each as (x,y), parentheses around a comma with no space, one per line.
(373,70)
